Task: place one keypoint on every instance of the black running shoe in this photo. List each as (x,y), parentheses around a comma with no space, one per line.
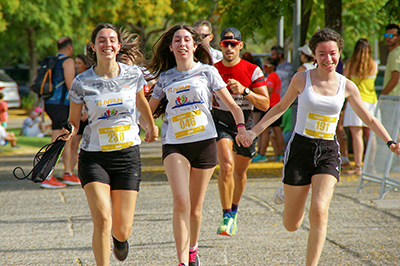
(121,249)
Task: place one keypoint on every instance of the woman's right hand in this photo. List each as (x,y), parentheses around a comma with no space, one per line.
(151,133)
(244,137)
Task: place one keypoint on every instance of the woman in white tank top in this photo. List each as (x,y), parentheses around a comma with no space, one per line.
(321,93)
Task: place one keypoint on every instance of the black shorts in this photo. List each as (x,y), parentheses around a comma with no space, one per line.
(305,157)
(224,131)
(58,114)
(120,169)
(200,154)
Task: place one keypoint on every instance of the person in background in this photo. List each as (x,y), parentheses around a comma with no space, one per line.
(204,29)
(362,69)
(391,78)
(306,57)
(284,69)
(185,80)
(246,83)
(274,87)
(33,125)
(109,161)
(57,108)
(6,137)
(3,111)
(82,64)
(312,158)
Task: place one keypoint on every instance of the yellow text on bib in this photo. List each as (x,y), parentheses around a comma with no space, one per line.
(320,126)
(188,123)
(115,138)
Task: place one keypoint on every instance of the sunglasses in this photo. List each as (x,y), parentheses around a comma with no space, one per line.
(386,35)
(205,35)
(232,43)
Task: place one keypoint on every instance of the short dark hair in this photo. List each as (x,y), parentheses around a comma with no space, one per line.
(393,26)
(203,22)
(63,43)
(279,50)
(325,35)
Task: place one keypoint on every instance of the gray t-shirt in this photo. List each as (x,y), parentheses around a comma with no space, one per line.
(189,95)
(111,108)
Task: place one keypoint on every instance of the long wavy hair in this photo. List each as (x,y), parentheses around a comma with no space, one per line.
(361,61)
(129,53)
(163,59)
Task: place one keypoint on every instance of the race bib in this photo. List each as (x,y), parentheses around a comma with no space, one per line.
(188,123)
(115,138)
(320,126)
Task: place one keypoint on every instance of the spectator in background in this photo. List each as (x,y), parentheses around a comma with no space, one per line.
(33,125)
(306,57)
(204,29)
(3,111)
(284,69)
(391,84)
(362,70)
(248,57)
(57,108)
(274,87)
(81,64)
(6,137)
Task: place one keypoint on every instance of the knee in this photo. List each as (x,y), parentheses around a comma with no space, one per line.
(226,168)
(102,221)
(181,204)
(290,226)
(318,217)
(196,214)
(122,232)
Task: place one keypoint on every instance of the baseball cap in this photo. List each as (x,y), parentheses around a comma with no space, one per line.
(306,50)
(236,34)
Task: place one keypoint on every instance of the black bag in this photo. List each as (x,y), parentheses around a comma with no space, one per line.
(45,159)
(43,84)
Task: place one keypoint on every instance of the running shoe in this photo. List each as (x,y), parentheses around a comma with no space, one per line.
(235,224)
(194,258)
(71,179)
(278,196)
(345,165)
(259,159)
(279,158)
(120,249)
(226,226)
(52,182)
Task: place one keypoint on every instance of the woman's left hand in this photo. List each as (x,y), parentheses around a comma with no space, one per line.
(244,137)
(395,148)
(151,133)
(67,134)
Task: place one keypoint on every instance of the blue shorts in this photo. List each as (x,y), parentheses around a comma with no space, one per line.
(306,157)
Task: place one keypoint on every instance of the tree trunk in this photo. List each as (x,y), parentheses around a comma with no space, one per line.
(306,8)
(333,15)
(33,63)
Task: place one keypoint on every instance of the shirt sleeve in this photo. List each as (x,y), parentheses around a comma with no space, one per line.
(158,92)
(76,92)
(215,80)
(258,78)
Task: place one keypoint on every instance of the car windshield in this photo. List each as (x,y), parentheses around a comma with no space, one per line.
(5,77)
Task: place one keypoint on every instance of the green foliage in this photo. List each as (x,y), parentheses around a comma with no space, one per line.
(28,101)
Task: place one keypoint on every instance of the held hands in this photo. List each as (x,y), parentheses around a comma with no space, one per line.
(244,137)
(151,133)
(235,86)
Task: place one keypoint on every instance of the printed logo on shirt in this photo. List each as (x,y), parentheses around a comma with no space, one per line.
(179,89)
(183,101)
(110,102)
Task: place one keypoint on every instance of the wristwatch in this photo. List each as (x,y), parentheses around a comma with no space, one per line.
(246,91)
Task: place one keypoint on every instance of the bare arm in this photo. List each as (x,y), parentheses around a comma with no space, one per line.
(69,71)
(75,112)
(259,96)
(392,83)
(146,113)
(354,98)
(237,113)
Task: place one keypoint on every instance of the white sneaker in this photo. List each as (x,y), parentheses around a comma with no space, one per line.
(278,196)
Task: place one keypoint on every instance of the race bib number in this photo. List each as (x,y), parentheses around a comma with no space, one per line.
(115,138)
(188,123)
(320,126)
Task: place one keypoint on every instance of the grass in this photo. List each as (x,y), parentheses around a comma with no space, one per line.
(33,144)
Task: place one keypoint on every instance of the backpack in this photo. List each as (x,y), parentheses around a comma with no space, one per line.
(43,84)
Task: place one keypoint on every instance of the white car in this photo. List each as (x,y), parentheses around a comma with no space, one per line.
(10,90)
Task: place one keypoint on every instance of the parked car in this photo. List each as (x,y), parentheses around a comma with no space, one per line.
(20,74)
(10,90)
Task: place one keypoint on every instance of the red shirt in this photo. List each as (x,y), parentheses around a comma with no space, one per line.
(274,81)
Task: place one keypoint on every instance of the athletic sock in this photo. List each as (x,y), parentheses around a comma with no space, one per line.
(227,211)
(235,208)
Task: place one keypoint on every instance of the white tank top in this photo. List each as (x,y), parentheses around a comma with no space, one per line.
(318,115)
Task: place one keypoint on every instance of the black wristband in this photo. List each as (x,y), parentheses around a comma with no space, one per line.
(390,142)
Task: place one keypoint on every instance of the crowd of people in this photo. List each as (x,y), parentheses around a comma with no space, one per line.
(214,104)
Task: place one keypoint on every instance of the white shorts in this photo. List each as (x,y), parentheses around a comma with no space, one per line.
(350,117)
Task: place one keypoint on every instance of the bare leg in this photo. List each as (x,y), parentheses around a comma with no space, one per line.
(98,197)
(226,183)
(358,144)
(240,177)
